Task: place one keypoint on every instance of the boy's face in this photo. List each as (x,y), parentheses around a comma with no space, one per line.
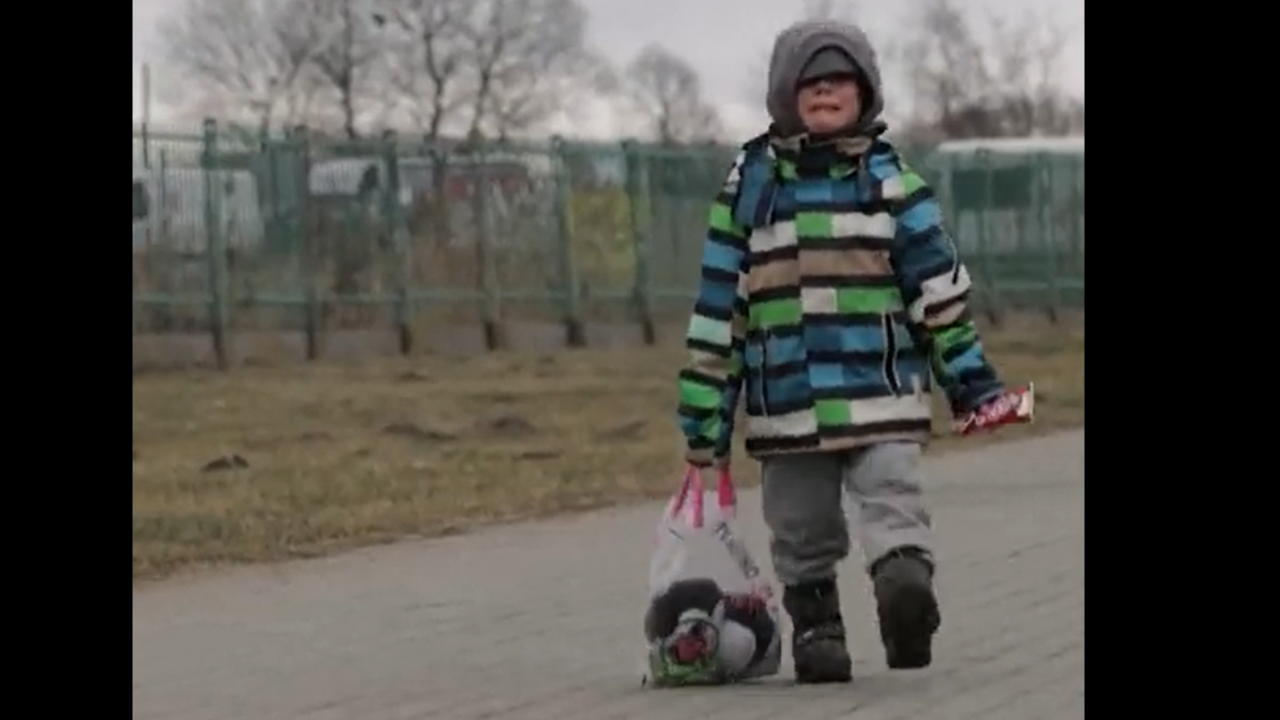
(829,104)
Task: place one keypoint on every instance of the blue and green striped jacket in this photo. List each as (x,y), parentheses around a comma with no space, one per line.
(830,293)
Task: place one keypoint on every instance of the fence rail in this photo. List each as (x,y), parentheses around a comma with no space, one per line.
(235,233)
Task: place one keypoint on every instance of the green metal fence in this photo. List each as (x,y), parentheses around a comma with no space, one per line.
(236,232)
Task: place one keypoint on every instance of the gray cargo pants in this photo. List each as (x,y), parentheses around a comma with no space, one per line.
(803,507)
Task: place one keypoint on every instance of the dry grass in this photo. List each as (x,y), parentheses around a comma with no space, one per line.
(341,456)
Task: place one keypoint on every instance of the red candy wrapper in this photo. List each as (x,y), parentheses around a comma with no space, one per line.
(1014,406)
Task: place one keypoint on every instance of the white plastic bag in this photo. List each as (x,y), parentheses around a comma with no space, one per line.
(695,539)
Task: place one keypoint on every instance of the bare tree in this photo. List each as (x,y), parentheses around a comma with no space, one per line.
(668,91)
(526,58)
(247,58)
(427,59)
(998,79)
(346,37)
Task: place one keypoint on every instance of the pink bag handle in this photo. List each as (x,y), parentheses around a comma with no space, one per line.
(727,499)
(682,495)
(727,494)
(692,491)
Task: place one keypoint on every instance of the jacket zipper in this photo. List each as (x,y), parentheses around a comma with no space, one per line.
(891,356)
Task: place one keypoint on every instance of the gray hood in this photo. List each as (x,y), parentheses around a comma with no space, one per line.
(795,46)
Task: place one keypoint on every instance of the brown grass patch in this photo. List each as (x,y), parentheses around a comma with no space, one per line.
(270,463)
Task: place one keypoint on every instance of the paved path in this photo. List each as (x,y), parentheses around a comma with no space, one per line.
(541,621)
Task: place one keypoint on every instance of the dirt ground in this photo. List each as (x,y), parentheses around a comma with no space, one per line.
(271,463)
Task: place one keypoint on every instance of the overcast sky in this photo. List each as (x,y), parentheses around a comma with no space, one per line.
(723,39)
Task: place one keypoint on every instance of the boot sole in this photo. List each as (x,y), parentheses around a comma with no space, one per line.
(827,677)
(825,671)
(908,624)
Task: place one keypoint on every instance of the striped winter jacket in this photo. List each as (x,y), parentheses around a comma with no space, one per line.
(828,297)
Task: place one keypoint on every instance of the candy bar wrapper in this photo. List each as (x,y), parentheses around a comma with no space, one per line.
(1015,406)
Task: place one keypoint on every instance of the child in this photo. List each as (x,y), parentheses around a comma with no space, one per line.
(829,295)
(699,634)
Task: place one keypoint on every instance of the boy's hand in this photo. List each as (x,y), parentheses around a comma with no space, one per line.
(1010,406)
(749,603)
(762,590)
(703,461)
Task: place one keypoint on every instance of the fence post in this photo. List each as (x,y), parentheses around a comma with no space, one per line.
(137,318)
(308,246)
(141,201)
(574,334)
(1075,224)
(165,311)
(1044,218)
(994,304)
(163,199)
(490,289)
(397,241)
(275,238)
(215,243)
(642,290)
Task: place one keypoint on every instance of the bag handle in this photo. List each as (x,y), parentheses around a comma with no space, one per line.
(692,490)
(727,499)
(727,494)
(691,478)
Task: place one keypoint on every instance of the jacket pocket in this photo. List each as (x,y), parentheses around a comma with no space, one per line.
(891,379)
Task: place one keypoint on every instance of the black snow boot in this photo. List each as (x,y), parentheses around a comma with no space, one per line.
(818,640)
(907,607)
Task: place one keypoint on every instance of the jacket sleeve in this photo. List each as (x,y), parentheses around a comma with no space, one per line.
(935,287)
(711,379)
